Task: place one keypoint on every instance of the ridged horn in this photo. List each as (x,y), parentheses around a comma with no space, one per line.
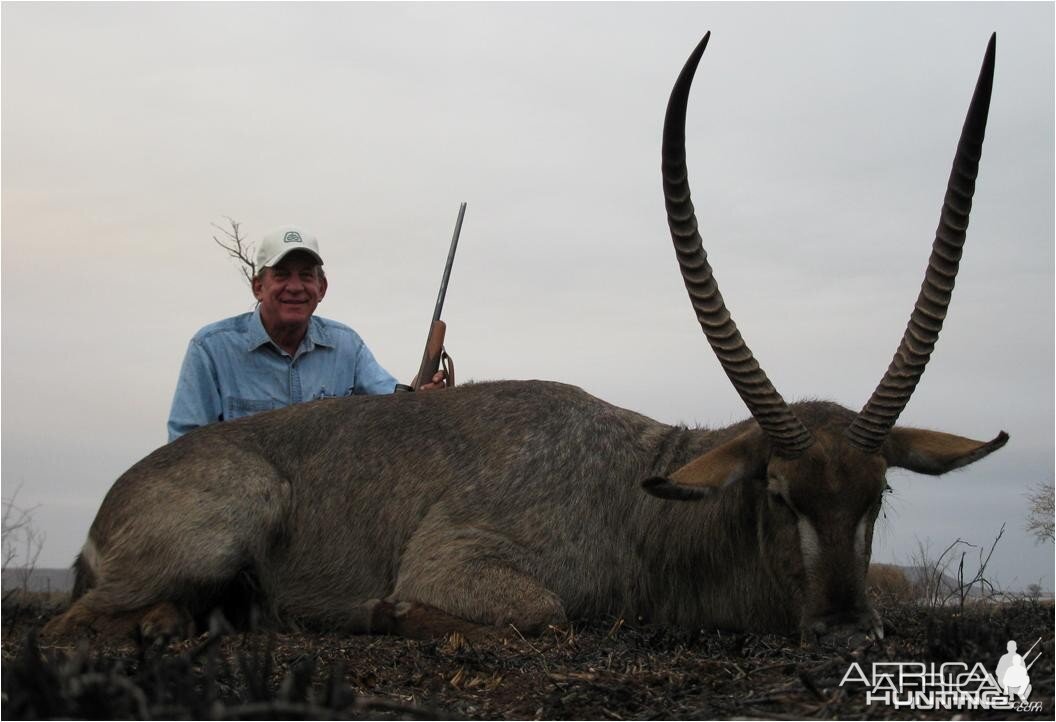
(880,413)
(788,436)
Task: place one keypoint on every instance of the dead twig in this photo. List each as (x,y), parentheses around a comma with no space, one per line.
(238,248)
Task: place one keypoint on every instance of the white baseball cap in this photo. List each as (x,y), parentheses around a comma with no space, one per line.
(283,240)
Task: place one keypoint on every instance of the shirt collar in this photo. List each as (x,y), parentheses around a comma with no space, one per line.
(256,334)
(317,334)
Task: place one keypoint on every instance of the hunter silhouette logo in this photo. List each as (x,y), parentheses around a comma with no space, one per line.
(291,237)
(1012,669)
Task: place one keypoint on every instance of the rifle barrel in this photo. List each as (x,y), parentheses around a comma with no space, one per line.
(1027,654)
(450,261)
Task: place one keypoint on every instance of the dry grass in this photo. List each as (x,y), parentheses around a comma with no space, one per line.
(611,670)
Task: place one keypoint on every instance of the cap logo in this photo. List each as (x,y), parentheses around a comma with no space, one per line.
(291,237)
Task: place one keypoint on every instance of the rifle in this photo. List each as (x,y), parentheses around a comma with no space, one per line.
(435,353)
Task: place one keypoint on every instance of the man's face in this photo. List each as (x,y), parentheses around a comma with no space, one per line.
(289,291)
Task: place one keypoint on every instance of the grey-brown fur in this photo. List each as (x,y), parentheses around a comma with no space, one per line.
(508,502)
(421,497)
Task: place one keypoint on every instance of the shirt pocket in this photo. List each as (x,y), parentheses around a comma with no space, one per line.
(235,408)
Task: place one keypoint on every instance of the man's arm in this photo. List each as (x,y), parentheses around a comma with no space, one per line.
(197,399)
(371,378)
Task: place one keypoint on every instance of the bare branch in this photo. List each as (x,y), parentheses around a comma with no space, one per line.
(21,540)
(936,586)
(238,248)
(964,587)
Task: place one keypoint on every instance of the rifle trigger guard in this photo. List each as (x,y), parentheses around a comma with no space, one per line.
(448,365)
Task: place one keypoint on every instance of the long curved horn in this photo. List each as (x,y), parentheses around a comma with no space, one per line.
(788,436)
(876,418)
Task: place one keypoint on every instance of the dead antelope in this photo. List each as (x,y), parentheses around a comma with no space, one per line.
(522,502)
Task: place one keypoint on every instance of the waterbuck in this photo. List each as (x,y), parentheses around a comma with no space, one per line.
(530,503)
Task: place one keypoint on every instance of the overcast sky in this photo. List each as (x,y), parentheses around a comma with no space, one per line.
(820,139)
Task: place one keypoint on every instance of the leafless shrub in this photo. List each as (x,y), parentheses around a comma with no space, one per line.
(1041,518)
(238,247)
(945,579)
(21,541)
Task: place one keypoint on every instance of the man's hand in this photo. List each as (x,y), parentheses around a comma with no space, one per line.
(439,382)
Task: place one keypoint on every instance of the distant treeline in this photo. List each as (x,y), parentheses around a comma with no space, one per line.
(38,580)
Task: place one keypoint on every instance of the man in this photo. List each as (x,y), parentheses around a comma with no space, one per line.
(279,353)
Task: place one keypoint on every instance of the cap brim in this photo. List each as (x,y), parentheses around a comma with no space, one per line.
(287,251)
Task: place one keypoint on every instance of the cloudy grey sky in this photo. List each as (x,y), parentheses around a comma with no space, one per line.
(820,139)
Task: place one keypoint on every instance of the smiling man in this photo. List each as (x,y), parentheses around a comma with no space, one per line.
(280,353)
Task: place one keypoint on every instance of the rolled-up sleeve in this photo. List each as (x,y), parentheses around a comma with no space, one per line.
(197,399)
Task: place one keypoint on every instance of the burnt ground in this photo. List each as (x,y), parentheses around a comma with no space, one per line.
(610,670)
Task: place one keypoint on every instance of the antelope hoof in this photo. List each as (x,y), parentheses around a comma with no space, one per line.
(165,621)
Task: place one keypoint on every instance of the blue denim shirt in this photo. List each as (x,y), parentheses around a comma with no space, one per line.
(233,368)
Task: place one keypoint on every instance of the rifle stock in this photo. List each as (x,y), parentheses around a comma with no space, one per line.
(434,350)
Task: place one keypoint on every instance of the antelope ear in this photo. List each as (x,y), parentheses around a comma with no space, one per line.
(933,452)
(741,458)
